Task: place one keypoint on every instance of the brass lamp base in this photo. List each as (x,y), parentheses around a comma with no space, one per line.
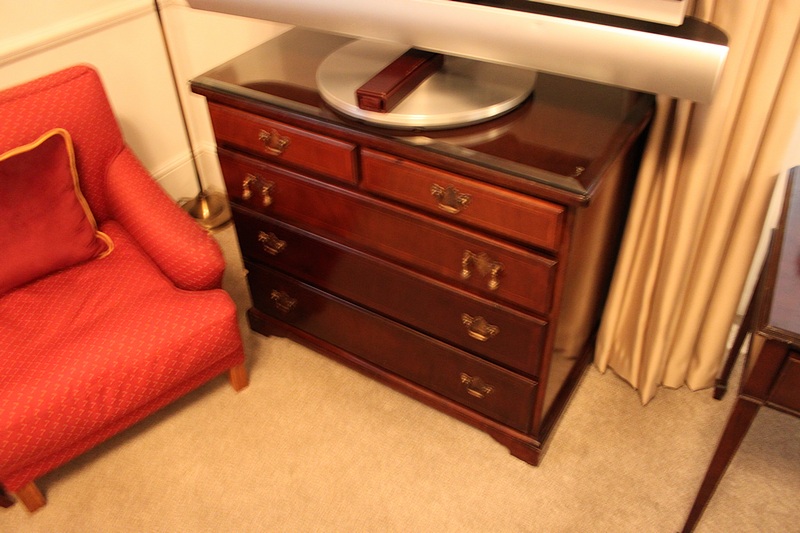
(210,209)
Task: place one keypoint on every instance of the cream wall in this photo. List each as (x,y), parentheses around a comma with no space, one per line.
(199,41)
(123,40)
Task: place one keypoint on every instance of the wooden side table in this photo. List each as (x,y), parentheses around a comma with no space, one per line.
(771,375)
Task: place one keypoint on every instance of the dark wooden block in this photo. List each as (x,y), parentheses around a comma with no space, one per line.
(391,85)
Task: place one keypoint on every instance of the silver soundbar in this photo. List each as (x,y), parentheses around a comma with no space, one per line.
(683,62)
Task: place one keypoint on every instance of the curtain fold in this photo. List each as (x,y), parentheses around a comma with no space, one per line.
(704,188)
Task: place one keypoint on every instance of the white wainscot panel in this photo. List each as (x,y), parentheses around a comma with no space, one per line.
(123,41)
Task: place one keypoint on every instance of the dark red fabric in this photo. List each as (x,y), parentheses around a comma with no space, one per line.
(45,224)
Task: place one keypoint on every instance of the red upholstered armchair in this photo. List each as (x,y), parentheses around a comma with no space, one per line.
(110,298)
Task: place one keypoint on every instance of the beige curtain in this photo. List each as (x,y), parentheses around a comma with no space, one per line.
(703,192)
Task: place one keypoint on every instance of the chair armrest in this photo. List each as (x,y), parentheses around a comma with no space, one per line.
(185,252)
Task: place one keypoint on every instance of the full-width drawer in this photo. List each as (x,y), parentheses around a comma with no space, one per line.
(467,259)
(497,332)
(510,214)
(280,142)
(467,379)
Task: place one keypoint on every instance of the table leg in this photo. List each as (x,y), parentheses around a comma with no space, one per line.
(744,412)
(721,384)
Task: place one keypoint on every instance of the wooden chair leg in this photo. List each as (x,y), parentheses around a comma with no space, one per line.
(238,377)
(5,499)
(31,497)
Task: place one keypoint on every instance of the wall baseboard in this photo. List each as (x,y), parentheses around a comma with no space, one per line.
(179,180)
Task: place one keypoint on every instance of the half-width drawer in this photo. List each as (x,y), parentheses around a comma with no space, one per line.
(287,144)
(489,389)
(509,214)
(464,258)
(506,336)
(786,392)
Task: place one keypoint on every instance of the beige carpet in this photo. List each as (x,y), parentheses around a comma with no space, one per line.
(314,446)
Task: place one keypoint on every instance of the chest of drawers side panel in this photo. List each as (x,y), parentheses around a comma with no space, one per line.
(594,236)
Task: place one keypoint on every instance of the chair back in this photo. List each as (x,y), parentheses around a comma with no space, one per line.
(73,99)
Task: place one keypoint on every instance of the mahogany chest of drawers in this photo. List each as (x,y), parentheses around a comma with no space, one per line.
(465,267)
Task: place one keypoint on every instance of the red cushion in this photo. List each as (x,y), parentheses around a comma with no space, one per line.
(46,224)
(73,99)
(120,336)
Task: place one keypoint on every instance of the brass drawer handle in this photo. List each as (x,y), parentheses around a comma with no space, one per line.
(484,265)
(265,187)
(283,302)
(274,143)
(271,243)
(476,386)
(450,199)
(478,328)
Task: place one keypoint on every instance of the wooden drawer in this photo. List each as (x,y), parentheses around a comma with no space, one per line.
(466,259)
(280,142)
(506,213)
(786,392)
(469,380)
(477,325)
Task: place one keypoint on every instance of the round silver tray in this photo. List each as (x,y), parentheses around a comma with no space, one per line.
(462,92)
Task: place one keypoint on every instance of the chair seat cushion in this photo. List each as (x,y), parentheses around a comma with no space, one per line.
(118,335)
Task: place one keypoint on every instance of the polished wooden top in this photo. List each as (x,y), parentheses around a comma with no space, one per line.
(782,316)
(565,136)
